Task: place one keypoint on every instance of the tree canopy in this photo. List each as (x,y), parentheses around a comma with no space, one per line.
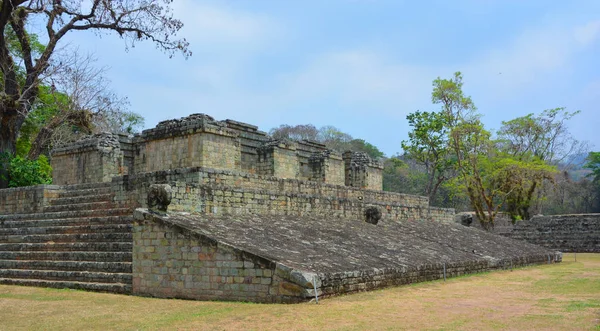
(25,64)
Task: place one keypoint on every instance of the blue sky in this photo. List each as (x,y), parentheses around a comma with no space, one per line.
(363,65)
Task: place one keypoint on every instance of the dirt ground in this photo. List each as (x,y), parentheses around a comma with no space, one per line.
(563,296)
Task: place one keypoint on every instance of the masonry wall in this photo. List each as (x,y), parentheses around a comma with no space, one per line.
(205,148)
(174,258)
(27,200)
(366,280)
(375,178)
(327,167)
(305,150)
(250,140)
(170,262)
(94,159)
(226,192)
(567,233)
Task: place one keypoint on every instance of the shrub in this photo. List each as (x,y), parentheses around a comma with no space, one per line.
(24,172)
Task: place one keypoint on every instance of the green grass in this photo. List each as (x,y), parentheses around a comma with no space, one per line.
(564,296)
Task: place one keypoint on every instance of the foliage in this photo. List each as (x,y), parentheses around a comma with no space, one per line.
(544,136)
(328,135)
(24,172)
(297,132)
(569,196)
(26,65)
(428,145)
(537,138)
(593,163)
(460,156)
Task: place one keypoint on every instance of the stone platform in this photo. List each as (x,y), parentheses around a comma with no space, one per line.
(270,258)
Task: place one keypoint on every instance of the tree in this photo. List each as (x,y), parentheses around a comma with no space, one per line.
(328,135)
(133,20)
(428,145)
(593,163)
(531,138)
(488,175)
(360,145)
(297,132)
(334,138)
(79,102)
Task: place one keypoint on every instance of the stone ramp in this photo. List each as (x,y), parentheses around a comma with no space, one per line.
(284,259)
(81,240)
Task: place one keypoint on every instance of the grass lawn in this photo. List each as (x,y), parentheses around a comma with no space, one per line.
(563,296)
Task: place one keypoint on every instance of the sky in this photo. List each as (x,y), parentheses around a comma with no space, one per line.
(363,65)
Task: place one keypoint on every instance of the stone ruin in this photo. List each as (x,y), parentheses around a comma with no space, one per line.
(200,141)
(217,210)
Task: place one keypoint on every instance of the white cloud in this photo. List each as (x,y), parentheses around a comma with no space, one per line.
(588,33)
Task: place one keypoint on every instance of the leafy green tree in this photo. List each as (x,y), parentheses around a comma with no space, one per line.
(403,176)
(428,145)
(537,138)
(488,176)
(593,163)
(23,70)
(360,145)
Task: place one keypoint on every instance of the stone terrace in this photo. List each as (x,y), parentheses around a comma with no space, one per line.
(284,258)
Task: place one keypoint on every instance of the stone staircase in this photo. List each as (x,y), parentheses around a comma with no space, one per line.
(82,240)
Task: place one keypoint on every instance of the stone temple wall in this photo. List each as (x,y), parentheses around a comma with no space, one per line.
(223,192)
(229,167)
(92,160)
(200,141)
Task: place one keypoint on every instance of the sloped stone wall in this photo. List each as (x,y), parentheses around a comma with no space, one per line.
(277,259)
(169,262)
(567,233)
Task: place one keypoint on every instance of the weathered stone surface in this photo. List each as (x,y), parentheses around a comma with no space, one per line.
(199,140)
(568,233)
(465,219)
(298,253)
(159,197)
(94,159)
(372,215)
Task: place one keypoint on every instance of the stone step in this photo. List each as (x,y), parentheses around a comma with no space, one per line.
(84,192)
(72,276)
(68,256)
(118,267)
(67,214)
(68,222)
(69,247)
(98,205)
(102,228)
(81,199)
(85,186)
(74,237)
(99,287)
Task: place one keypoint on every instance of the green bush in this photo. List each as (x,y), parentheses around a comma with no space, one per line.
(23,172)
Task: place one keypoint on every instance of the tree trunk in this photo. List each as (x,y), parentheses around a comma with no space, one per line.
(9,131)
